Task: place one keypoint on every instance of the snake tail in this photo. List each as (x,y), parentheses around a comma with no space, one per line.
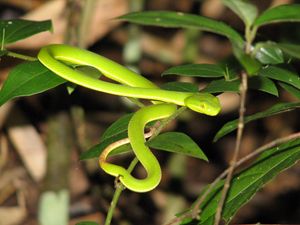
(142,152)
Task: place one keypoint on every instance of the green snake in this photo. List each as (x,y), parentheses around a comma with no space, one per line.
(58,59)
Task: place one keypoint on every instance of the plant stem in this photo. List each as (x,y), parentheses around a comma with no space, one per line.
(256,152)
(3,38)
(20,56)
(243,91)
(250,33)
(119,188)
(196,209)
(113,204)
(248,157)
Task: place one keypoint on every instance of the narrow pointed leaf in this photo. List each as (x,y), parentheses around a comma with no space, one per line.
(174,142)
(249,63)
(119,126)
(180,86)
(221,85)
(3,52)
(27,79)
(280,74)
(290,49)
(249,181)
(177,143)
(17,29)
(246,11)
(293,91)
(196,70)
(274,110)
(184,20)
(263,84)
(282,13)
(88,71)
(87,223)
(171,142)
(257,83)
(97,149)
(268,54)
(115,132)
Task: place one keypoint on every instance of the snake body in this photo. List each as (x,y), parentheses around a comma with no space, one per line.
(57,58)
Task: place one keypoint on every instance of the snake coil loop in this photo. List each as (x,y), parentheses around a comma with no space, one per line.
(57,58)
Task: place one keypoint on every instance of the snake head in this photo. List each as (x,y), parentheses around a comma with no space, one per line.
(204,103)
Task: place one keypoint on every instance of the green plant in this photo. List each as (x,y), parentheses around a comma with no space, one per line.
(57,57)
(260,68)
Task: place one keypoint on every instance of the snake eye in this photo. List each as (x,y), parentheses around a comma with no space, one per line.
(202,106)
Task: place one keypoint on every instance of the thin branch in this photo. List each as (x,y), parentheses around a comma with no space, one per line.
(243,92)
(222,175)
(113,204)
(20,56)
(3,39)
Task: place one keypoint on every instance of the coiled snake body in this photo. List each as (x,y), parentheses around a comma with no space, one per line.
(57,58)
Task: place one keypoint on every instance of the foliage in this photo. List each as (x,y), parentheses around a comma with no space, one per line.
(260,62)
(264,61)
(15,30)
(247,182)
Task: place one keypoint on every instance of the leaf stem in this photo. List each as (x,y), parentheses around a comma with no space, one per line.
(243,92)
(249,35)
(3,36)
(20,56)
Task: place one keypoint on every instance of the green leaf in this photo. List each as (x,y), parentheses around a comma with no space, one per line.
(121,150)
(230,73)
(97,149)
(180,86)
(293,91)
(263,84)
(119,126)
(268,53)
(280,74)
(115,132)
(184,20)
(178,143)
(282,13)
(246,11)
(87,223)
(28,79)
(88,71)
(274,110)
(257,83)
(221,85)
(196,70)
(290,49)
(174,142)
(249,181)
(171,141)
(250,64)
(3,52)
(17,29)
